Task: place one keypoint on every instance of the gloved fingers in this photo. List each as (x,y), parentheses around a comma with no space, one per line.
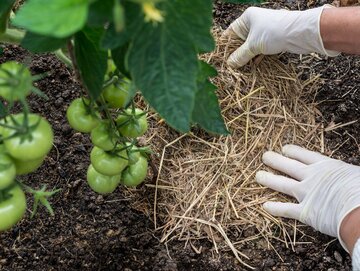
(240,26)
(229,34)
(288,210)
(280,183)
(303,155)
(241,56)
(293,168)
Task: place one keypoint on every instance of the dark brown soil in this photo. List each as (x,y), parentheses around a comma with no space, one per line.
(91,232)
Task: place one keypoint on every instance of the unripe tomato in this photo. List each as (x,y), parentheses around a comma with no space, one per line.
(108,163)
(132,154)
(7,169)
(25,167)
(135,174)
(100,183)
(79,118)
(130,125)
(15,80)
(117,95)
(101,136)
(12,209)
(32,145)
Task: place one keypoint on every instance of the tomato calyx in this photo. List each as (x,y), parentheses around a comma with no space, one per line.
(41,197)
(23,130)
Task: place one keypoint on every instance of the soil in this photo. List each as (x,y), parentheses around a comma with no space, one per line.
(91,232)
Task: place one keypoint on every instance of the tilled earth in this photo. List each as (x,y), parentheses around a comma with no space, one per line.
(91,232)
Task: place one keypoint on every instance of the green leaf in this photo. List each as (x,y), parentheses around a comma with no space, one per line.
(163,59)
(55,18)
(196,18)
(5,10)
(119,56)
(91,59)
(133,22)
(38,43)
(100,12)
(207,112)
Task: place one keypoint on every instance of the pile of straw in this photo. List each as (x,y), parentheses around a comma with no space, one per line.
(205,185)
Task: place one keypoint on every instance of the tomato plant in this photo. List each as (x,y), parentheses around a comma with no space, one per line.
(15,81)
(7,170)
(103,136)
(153,43)
(117,95)
(109,163)
(132,123)
(100,183)
(28,166)
(12,207)
(135,174)
(80,117)
(31,142)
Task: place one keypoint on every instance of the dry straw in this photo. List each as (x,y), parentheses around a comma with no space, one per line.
(205,188)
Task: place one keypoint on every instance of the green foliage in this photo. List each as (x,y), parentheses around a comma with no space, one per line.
(163,59)
(55,18)
(39,43)
(5,9)
(207,112)
(91,59)
(155,43)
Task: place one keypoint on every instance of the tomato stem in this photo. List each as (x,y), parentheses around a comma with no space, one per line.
(113,80)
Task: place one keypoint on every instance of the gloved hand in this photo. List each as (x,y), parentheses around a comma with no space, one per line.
(327,189)
(270,32)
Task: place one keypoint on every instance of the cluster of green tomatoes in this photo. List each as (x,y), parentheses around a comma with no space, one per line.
(26,139)
(113,127)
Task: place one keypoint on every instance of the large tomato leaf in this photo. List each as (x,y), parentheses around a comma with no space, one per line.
(163,59)
(133,23)
(55,18)
(100,12)
(38,43)
(5,9)
(207,112)
(91,59)
(119,56)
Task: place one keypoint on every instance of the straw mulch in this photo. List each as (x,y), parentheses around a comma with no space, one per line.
(205,185)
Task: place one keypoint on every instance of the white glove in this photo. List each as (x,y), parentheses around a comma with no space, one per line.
(274,31)
(327,189)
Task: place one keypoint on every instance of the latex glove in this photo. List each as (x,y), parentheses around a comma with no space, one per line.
(270,32)
(326,189)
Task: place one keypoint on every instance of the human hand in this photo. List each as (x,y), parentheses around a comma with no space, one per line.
(327,189)
(270,32)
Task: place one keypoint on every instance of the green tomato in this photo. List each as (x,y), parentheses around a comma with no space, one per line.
(132,125)
(7,170)
(132,154)
(135,174)
(101,136)
(79,118)
(117,95)
(109,164)
(25,167)
(12,209)
(15,80)
(100,183)
(33,144)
